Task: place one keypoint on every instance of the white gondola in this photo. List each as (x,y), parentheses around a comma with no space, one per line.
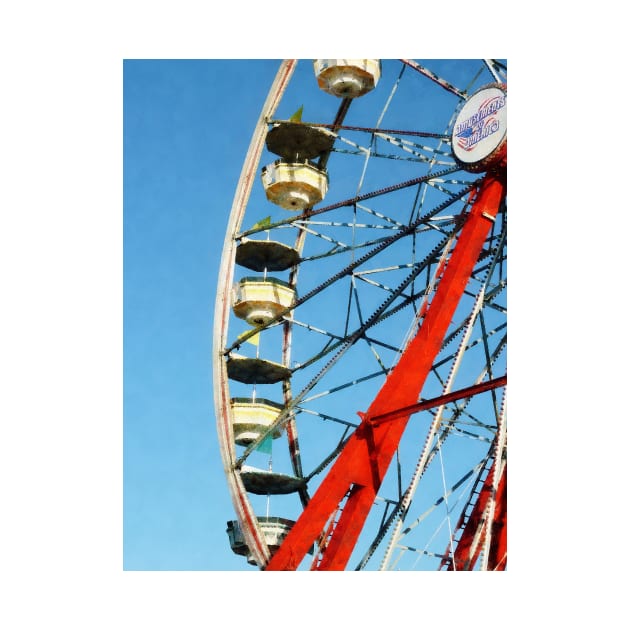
(347,78)
(294,185)
(259,300)
(273,528)
(251,417)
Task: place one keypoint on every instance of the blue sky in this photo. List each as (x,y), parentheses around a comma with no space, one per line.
(187,128)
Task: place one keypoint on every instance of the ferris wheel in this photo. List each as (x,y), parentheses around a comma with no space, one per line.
(360,331)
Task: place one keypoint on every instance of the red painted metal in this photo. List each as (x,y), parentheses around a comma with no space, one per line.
(466,392)
(467,550)
(497,559)
(359,470)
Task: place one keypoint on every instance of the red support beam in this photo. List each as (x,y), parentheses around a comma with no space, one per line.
(362,464)
(467,551)
(497,559)
(466,392)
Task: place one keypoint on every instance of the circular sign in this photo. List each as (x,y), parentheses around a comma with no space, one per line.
(480,133)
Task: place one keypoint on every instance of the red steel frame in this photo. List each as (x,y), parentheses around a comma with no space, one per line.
(467,550)
(361,466)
